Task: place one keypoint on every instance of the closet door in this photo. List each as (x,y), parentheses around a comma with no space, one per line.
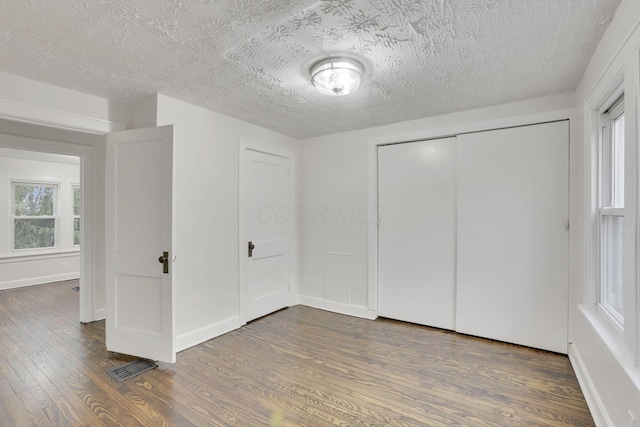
(512,269)
(416,194)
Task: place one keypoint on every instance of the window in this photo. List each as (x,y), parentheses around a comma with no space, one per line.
(611,298)
(34,215)
(76,215)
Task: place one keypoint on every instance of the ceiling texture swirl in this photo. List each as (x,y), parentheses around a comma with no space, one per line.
(250,59)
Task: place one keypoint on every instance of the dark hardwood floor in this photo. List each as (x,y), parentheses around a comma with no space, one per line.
(296,367)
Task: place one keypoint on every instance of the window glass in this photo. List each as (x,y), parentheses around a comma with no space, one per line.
(612,290)
(76,215)
(617,142)
(34,221)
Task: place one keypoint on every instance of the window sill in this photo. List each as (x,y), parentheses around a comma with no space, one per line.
(608,316)
(612,341)
(38,256)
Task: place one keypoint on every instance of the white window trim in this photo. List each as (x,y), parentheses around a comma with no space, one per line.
(611,211)
(612,108)
(13,217)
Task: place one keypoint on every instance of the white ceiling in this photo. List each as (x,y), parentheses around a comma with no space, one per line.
(250,59)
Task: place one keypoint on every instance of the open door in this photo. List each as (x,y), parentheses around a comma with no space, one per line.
(138,254)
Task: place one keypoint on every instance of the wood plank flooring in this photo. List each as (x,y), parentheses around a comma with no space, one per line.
(296,367)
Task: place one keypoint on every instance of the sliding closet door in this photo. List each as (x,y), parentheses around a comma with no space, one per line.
(512,280)
(416,185)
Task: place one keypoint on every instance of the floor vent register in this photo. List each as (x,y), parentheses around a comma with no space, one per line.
(131,369)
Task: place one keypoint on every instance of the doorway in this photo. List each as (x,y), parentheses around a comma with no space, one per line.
(41,139)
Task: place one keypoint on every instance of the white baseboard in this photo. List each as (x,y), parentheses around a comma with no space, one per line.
(205,333)
(12,284)
(100,314)
(598,411)
(336,307)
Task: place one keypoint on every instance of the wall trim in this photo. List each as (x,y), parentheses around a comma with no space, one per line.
(594,402)
(12,284)
(205,333)
(18,111)
(99,314)
(22,257)
(337,307)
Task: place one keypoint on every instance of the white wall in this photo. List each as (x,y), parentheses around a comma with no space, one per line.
(62,262)
(606,361)
(338,173)
(333,219)
(37,102)
(206,153)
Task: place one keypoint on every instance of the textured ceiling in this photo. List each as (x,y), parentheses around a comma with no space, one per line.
(250,59)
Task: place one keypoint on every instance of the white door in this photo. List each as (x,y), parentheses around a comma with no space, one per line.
(512,276)
(139,187)
(416,190)
(268,223)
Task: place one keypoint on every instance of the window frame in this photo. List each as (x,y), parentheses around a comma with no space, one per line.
(612,110)
(13,217)
(74,216)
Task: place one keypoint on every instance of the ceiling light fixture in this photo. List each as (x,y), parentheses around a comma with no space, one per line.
(336,76)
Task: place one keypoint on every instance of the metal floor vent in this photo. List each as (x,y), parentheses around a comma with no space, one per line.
(131,369)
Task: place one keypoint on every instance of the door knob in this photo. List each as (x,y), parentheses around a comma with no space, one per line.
(164,260)
(251,247)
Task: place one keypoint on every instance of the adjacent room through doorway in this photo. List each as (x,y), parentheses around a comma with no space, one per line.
(40,218)
(48,210)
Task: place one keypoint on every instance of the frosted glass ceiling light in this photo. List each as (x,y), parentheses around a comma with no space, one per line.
(336,76)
